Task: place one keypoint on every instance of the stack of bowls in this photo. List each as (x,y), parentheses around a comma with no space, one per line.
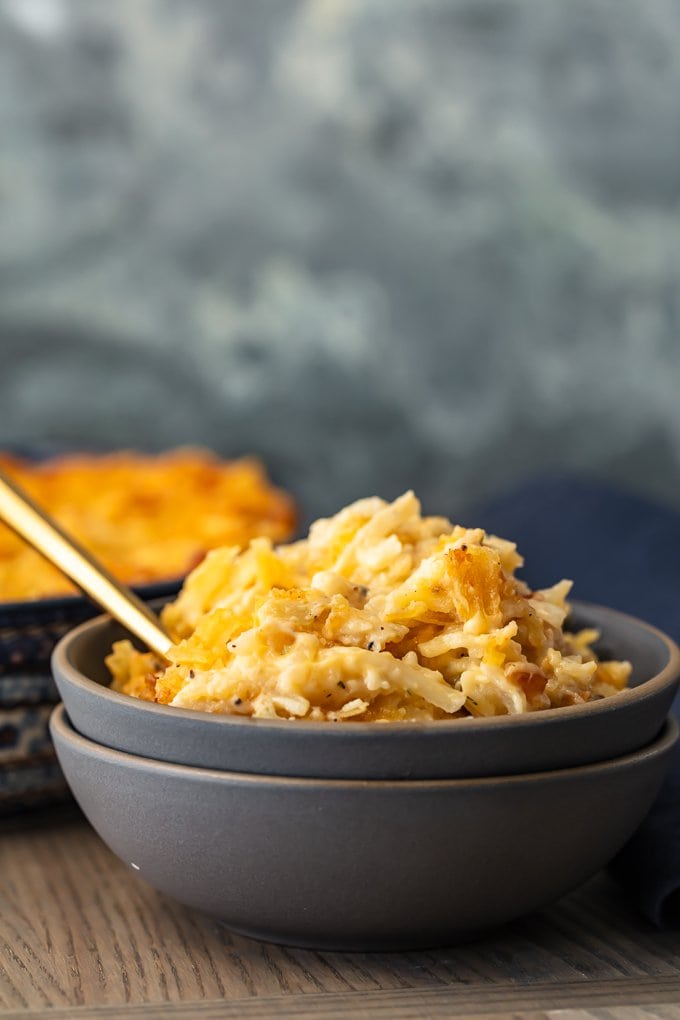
(367,835)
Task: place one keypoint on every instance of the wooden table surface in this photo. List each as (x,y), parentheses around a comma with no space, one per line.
(81,936)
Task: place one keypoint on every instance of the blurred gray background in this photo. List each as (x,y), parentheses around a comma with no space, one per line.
(380,243)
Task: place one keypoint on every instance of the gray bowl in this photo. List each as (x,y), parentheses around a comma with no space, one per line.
(337,864)
(446,749)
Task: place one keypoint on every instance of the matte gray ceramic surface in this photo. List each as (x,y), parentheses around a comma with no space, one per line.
(457,748)
(360,865)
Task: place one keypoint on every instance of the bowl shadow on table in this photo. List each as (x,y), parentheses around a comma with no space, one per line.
(598,900)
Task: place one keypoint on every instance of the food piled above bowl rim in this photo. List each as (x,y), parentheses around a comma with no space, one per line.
(380,615)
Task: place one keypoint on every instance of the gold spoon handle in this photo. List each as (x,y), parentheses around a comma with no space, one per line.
(35,526)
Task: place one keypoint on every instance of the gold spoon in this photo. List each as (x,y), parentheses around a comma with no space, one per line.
(35,526)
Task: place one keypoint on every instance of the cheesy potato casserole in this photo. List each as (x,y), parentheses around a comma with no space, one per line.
(380,614)
(147,518)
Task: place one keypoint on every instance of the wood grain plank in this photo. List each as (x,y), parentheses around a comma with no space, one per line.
(623,999)
(79,929)
(655,1011)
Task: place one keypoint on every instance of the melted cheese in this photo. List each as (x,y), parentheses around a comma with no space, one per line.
(380,614)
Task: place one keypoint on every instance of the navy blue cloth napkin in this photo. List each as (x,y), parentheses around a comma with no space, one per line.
(621,550)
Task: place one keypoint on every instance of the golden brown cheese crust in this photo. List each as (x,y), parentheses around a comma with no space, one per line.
(147,518)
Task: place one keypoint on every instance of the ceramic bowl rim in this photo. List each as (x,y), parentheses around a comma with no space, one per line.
(63,727)
(62,664)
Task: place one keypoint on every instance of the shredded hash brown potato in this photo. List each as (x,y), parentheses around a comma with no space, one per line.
(380,614)
(147,518)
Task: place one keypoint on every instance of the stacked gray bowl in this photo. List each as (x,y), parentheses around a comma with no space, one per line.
(367,835)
